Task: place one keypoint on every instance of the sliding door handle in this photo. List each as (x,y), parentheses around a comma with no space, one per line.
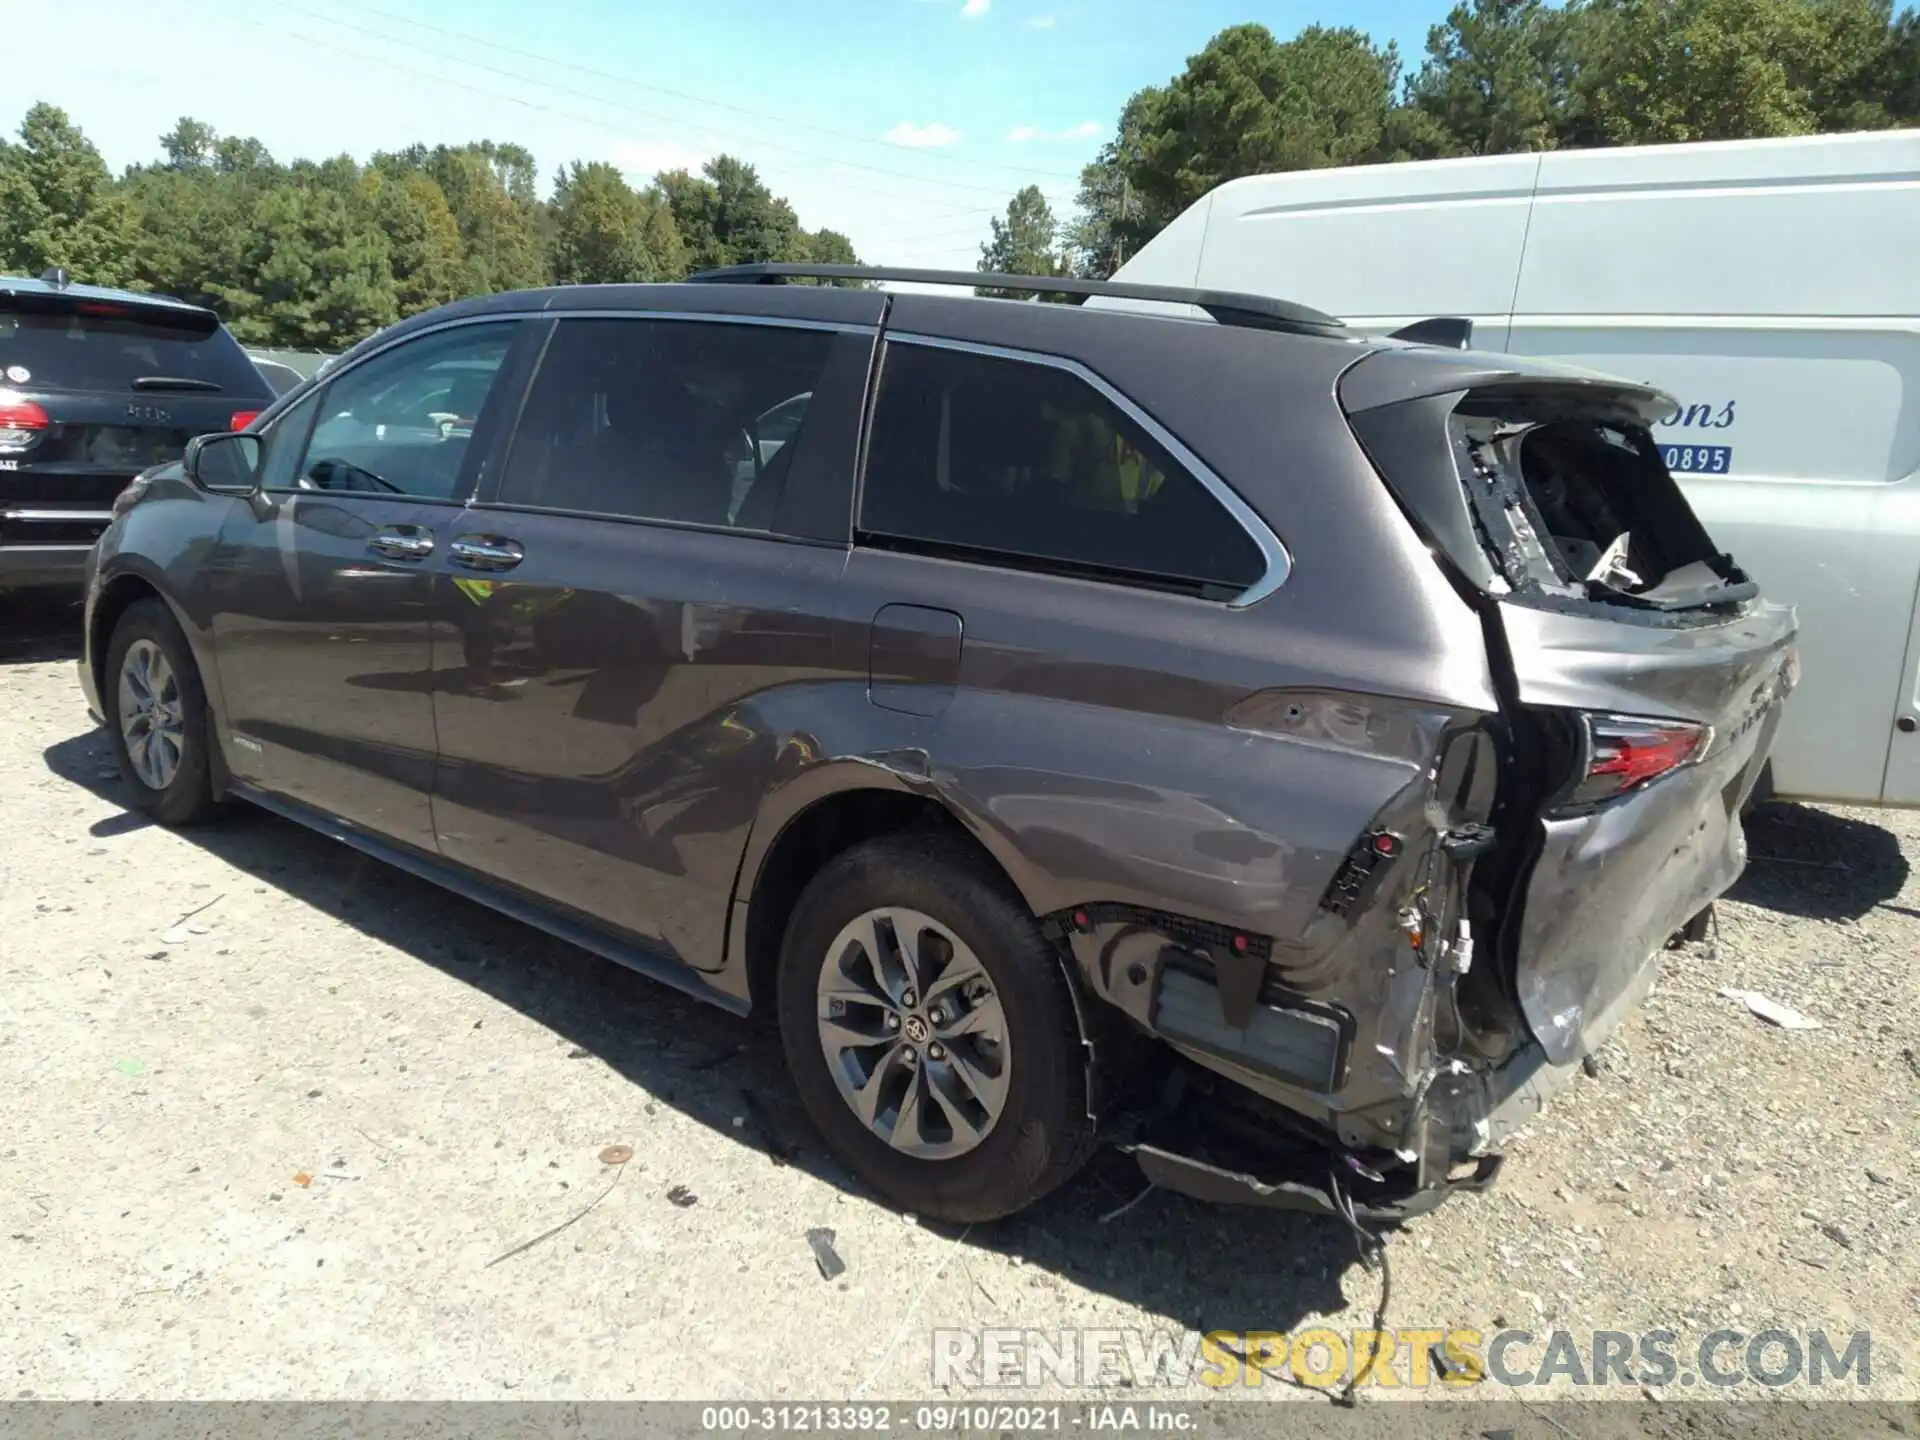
(485,552)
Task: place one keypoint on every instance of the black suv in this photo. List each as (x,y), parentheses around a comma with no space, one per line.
(95,386)
(1280,750)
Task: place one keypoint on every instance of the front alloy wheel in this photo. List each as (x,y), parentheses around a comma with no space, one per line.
(152,714)
(913,1033)
(157,715)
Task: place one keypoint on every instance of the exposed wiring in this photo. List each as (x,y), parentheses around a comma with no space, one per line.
(1372,1251)
(1113,1215)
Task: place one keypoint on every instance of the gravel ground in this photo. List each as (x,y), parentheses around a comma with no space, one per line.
(274,1119)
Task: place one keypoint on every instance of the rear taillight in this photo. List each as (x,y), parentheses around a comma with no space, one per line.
(21,423)
(240,419)
(1624,752)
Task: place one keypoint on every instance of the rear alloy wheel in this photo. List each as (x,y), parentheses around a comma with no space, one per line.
(913,1033)
(930,1030)
(158,716)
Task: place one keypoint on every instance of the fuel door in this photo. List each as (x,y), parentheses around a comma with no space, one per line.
(913,659)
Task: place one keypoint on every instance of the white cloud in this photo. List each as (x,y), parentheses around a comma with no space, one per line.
(647,158)
(922,137)
(1041,22)
(1085,130)
(974,9)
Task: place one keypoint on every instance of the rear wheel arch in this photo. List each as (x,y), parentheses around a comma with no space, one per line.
(823,826)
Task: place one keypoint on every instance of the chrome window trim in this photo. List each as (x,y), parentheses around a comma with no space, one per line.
(1273,551)
(517,317)
(494,317)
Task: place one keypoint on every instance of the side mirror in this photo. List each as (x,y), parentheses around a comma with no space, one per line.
(224,464)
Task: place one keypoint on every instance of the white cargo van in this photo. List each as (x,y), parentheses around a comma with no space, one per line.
(1773,286)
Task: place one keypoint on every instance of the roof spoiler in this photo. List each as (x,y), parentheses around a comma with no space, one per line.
(43,298)
(1450,332)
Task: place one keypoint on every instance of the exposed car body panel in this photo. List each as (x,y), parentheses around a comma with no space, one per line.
(1611,886)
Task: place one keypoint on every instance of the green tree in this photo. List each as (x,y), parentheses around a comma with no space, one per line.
(1896,74)
(58,205)
(314,274)
(727,216)
(193,212)
(605,233)
(1248,104)
(1660,71)
(661,235)
(1109,221)
(190,145)
(243,155)
(1495,78)
(1023,243)
(1854,78)
(423,238)
(829,247)
(691,199)
(490,190)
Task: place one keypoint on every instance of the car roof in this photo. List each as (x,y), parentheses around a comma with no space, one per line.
(1083,331)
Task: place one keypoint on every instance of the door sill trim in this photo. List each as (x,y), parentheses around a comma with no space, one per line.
(675,974)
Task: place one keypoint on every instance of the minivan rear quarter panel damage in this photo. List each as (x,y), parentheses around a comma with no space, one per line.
(1527,481)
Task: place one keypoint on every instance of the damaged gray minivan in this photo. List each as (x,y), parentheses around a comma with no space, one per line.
(1280,751)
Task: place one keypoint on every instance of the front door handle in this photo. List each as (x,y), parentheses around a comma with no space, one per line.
(485,552)
(406,542)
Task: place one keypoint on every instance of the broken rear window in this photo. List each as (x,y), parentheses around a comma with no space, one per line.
(1573,500)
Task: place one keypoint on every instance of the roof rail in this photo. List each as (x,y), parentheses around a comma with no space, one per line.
(1225,306)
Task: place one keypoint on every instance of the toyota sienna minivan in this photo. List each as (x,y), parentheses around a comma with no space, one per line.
(1281,751)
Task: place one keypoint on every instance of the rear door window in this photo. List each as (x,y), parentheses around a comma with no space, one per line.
(1027,464)
(690,421)
(65,343)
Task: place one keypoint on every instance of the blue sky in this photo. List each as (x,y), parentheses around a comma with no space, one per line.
(903,123)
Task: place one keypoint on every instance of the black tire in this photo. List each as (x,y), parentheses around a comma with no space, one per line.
(1043,1134)
(188,796)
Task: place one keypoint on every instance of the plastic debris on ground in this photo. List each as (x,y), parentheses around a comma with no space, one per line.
(832,1267)
(1772,1011)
